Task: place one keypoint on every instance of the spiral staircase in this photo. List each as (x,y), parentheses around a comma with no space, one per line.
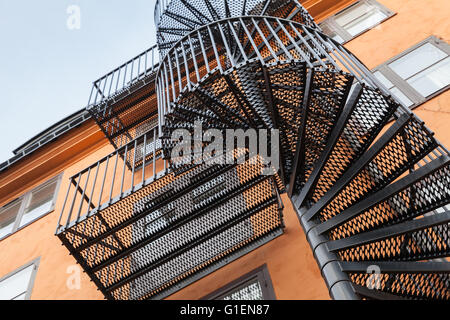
(368,179)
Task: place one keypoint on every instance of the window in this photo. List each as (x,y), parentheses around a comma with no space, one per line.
(19,284)
(153,143)
(419,73)
(355,19)
(256,285)
(28,208)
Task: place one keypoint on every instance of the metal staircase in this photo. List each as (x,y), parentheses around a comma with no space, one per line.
(368,179)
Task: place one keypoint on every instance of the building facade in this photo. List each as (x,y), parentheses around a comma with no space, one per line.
(358,91)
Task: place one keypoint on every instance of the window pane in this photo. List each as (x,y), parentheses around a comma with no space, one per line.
(21,297)
(8,215)
(432,79)
(402,97)
(417,60)
(250,291)
(359,18)
(329,32)
(16,285)
(365,22)
(40,203)
(388,84)
(352,13)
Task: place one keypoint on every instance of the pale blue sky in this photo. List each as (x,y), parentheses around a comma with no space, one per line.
(46,70)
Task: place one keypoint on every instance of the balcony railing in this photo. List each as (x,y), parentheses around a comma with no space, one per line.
(142,232)
(176,18)
(223,46)
(112,178)
(123,102)
(121,79)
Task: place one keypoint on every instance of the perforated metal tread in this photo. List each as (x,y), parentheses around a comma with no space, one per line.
(177,226)
(369,180)
(178,18)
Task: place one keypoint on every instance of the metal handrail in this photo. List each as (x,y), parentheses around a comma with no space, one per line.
(196,56)
(115,82)
(112,178)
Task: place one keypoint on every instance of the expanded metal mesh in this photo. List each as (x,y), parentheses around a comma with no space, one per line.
(428,286)
(363,125)
(410,144)
(176,227)
(128,118)
(429,193)
(370,193)
(180,17)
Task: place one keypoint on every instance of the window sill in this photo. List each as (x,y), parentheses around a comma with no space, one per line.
(26,225)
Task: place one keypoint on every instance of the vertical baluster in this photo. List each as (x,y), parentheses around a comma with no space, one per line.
(114,177)
(64,207)
(205,56)
(186,66)
(134,163)
(238,41)
(172,80)
(74,198)
(103,183)
(154,154)
(123,170)
(255,47)
(83,195)
(143,160)
(93,187)
(180,81)
(216,54)
(118,79)
(275,35)
(194,59)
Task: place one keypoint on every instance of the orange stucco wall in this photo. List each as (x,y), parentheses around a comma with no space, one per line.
(292,268)
(413,22)
(68,156)
(289,259)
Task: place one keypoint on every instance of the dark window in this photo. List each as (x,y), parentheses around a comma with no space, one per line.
(256,285)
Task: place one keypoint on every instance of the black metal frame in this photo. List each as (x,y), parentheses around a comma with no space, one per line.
(360,195)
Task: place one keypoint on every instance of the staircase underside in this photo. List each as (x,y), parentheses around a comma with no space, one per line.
(370,183)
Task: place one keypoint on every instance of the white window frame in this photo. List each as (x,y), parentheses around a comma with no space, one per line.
(412,94)
(30,287)
(24,201)
(333,26)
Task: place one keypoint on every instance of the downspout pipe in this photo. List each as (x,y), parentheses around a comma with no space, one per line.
(338,282)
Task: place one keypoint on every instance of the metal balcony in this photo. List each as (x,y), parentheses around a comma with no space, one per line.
(143,234)
(123,102)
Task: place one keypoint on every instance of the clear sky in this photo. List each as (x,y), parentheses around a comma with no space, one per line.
(46,69)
